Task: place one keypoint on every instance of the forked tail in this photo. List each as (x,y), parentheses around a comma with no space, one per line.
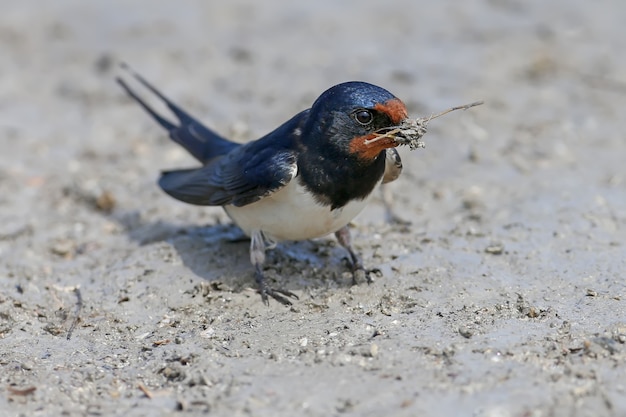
(200,141)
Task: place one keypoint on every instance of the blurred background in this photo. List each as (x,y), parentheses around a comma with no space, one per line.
(535,175)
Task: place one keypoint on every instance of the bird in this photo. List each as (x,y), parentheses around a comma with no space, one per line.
(306,179)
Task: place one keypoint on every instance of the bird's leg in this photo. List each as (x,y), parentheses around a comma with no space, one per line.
(344,239)
(257,257)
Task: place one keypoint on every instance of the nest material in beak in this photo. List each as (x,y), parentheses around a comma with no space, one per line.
(411,131)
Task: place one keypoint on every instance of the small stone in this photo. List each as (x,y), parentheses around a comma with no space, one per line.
(173,373)
(466,332)
(105,202)
(494,249)
(63,247)
(374,350)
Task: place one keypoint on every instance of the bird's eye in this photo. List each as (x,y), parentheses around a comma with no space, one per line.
(364,117)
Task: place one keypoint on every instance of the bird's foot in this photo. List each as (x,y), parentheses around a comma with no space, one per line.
(360,274)
(277,294)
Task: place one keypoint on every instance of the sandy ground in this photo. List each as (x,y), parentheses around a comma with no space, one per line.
(504,296)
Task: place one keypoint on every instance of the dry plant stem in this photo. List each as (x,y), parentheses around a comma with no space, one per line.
(463,107)
(23,391)
(391,134)
(79,306)
(145,391)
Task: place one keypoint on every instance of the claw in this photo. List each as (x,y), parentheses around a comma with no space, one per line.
(277,294)
(359,273)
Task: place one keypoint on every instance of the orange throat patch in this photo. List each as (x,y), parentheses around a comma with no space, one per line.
(366,147)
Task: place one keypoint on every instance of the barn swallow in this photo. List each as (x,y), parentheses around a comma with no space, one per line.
(306,179)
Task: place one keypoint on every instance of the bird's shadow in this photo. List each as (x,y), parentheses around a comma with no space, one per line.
(220,253)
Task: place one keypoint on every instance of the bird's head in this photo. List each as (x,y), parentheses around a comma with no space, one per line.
(346,118)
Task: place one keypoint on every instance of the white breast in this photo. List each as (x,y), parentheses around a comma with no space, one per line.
(293,214)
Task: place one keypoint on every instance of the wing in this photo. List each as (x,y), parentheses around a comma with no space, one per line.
(200,141)
(393,165)
(239,178)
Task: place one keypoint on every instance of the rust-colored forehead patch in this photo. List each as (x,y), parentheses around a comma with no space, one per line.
(394,108)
